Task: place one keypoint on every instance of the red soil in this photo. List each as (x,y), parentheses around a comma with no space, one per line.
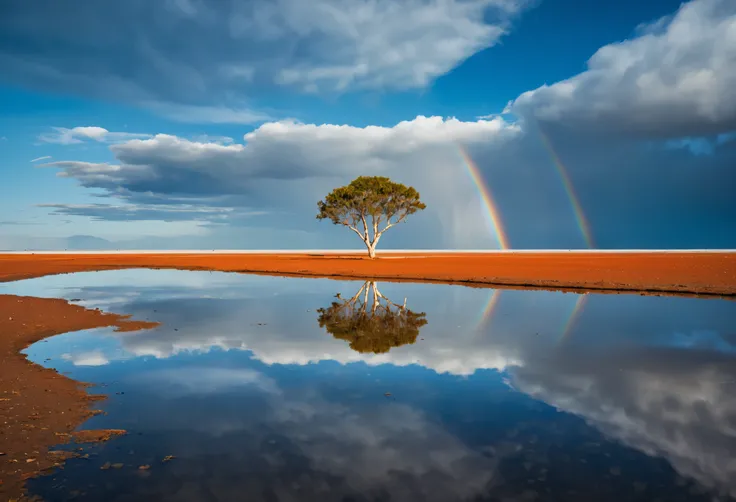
(658,273)
(39,407)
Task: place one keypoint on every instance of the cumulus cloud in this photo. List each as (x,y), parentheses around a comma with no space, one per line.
(677,78)
(208,51)
(302,160)
(66,136)
(631,192)
(642,135)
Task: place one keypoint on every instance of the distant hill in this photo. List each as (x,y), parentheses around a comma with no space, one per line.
(88,242)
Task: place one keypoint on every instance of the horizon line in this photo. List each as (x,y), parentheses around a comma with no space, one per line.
(357,251)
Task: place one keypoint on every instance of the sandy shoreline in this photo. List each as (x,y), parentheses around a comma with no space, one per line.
(39,407)
(698,273)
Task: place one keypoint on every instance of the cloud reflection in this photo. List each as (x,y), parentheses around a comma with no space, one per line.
(674,403)
(657,374)
(92,358)
(304,445)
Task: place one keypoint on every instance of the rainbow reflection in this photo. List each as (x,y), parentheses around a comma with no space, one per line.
(574,315)
(488,311)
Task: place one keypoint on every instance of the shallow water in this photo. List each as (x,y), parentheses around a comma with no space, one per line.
(464,394)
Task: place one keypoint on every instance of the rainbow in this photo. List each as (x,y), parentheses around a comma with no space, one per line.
(492,213)
(571,195)
(489,309)
(574,315)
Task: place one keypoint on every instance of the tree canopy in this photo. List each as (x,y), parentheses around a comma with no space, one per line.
(376,329)
(369,206)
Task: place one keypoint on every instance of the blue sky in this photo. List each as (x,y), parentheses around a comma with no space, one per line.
(208,124)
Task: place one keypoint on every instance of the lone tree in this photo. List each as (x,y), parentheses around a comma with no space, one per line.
(369,206)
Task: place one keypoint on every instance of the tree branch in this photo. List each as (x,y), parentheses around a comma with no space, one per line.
(388,301)
(365,227)
(389,225)
(355,297)
(353,229)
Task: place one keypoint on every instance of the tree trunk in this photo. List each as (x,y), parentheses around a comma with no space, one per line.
(376,297)
(371,249)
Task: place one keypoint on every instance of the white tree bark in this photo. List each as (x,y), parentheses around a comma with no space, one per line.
(365,235)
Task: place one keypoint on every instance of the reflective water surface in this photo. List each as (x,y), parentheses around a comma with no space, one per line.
(282,389)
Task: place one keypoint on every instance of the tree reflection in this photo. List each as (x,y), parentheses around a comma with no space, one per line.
(370,321)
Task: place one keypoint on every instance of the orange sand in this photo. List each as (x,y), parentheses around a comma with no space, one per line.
(656,273)
(39,407)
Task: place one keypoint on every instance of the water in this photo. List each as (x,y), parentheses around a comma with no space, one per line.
(262,391)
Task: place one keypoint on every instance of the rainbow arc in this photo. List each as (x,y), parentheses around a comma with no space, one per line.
(492,213)
(580,218)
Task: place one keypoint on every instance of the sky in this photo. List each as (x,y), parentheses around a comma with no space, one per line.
(219,124)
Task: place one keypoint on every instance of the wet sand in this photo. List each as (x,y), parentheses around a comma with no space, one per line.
(700,273)
(39,407)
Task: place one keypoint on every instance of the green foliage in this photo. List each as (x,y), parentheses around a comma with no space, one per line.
(376,329)
(369,206)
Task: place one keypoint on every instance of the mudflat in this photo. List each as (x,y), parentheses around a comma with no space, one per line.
(700,273)
(39,407)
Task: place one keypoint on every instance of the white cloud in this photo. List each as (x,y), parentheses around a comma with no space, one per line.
(91,132)
(376,46)
(677,78)
(208,114)
(302,160)
(152,212)
(37,159)
(209,53)
(66,136)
